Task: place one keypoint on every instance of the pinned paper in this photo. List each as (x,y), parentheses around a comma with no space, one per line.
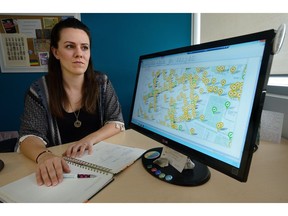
(271,126)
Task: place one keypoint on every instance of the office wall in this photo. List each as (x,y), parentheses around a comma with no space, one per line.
(118,41)
(221,25)
(216,26)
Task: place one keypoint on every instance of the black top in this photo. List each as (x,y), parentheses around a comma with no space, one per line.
(70,133)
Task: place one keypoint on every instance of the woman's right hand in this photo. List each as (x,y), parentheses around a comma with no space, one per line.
(50,169)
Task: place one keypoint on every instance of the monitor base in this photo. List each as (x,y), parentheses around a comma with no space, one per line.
(199,175)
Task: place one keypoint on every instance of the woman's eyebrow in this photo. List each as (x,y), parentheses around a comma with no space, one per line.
(75,43)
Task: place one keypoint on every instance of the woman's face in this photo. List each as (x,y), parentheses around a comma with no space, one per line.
(73,51)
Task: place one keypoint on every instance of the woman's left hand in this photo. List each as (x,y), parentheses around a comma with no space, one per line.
(78,148)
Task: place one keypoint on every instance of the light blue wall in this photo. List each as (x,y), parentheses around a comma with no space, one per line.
(118,41)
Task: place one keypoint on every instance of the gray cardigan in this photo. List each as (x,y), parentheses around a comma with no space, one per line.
(37,120)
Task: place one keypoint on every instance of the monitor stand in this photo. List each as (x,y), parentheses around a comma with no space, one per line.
(195,174)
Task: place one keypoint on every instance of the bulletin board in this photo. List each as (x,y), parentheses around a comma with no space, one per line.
(25,41)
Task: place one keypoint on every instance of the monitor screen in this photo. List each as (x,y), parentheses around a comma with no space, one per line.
(205,100)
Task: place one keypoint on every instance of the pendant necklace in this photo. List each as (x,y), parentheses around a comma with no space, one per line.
(77,122)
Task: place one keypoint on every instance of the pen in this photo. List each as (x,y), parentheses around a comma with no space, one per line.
(68,175)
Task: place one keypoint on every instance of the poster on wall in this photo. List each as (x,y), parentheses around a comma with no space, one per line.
(8,25)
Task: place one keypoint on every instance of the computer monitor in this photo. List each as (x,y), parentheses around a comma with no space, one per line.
(204,101)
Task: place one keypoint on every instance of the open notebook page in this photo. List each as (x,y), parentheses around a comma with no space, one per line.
(113,156)
(26,190)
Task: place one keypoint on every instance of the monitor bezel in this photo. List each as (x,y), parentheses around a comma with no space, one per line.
(241,173)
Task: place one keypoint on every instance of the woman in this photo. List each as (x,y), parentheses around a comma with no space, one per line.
(71,103)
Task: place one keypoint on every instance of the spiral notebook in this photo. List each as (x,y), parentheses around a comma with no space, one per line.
(106,160)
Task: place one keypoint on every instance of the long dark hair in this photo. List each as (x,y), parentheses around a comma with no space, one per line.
(57,93)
